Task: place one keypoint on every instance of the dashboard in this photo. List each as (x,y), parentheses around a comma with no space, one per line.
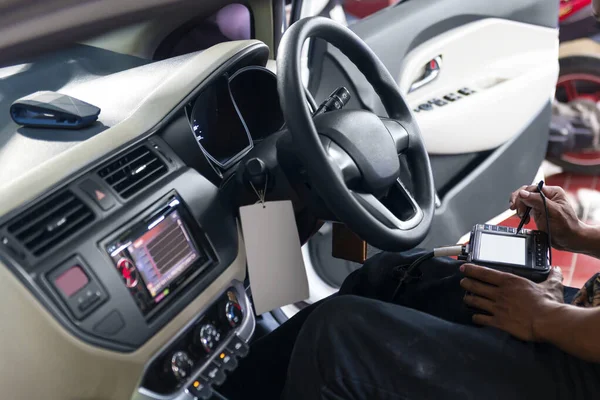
(121,260)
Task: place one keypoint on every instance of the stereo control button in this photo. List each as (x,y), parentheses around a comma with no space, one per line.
(214,374)
(238,347)
(88,299)
(226,361)
(200,389)
(128,272)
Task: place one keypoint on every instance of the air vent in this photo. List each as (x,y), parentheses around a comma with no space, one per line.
(133,171)
(51,222)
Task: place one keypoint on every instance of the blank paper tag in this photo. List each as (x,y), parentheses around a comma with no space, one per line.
(275,264)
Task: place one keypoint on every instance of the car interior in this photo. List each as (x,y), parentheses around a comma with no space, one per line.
(122,257)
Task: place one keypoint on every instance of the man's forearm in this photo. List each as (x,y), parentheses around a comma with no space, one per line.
(574,330)
(588,238)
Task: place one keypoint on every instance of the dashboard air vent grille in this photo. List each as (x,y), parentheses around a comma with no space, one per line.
(133,171)
(50,222)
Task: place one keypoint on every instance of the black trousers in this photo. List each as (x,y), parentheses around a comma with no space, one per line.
(362,344)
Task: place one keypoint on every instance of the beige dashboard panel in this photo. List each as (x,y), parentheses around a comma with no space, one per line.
(40,359)
(166,95)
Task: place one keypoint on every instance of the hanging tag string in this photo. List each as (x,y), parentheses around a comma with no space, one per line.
(261,194)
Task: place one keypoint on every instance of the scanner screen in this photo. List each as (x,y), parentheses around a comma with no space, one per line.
(505,249)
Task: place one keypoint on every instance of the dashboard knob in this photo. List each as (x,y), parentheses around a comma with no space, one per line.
(233,313)
(207,337)
(180,365)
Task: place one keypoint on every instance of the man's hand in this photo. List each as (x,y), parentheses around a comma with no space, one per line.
(515,303)
(565,226)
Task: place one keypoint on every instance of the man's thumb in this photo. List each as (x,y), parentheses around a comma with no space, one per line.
(555,273)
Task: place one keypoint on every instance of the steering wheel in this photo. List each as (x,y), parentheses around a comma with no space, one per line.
(352,156)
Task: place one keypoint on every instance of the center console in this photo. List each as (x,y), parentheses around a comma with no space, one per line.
(201,355)
(120,253)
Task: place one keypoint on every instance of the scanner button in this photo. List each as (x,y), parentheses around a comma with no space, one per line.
(494,228)
(503,229)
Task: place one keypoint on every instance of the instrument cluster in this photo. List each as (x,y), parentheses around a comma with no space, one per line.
(233,113)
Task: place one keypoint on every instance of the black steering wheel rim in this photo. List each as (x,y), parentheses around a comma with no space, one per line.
(324,176)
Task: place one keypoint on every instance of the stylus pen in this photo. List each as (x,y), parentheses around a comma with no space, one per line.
(528,209)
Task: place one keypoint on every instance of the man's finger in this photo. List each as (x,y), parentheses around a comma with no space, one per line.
(515,195)
(521,208)
(483,274)
(479,303)
(533,200)
(486,320)
(479,288)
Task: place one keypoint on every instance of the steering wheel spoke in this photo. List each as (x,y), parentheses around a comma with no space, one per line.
(398,133)
(338,157)
(397,209)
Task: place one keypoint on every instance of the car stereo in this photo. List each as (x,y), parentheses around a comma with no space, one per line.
(157,255)
(501,248)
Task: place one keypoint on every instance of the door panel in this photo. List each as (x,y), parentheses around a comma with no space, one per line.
(481,146)
(515,77)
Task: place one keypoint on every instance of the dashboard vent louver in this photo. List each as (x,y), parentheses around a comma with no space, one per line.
(50,222)
(133,171)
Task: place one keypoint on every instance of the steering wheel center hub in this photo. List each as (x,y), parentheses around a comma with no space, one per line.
(365,138)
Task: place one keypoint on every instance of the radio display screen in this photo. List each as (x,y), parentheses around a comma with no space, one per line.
(163,253)
(156,256)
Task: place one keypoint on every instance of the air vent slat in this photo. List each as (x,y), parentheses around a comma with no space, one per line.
(126,164)
(47,230)
(134,171)
(132,189)
(19,230)
(62,234)
(48,224)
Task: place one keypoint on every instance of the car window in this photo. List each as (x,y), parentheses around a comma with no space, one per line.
(345,12)
(232,22)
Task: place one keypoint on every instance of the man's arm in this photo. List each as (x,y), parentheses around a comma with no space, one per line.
(589,240)
(574,330)
(532,311)
(568,232)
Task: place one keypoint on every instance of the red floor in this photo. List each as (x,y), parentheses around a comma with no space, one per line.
(585,196)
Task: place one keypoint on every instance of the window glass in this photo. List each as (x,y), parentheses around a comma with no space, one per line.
(345,12)
(232,22)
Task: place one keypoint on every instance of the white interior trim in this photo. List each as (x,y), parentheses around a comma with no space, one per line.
(512,66)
